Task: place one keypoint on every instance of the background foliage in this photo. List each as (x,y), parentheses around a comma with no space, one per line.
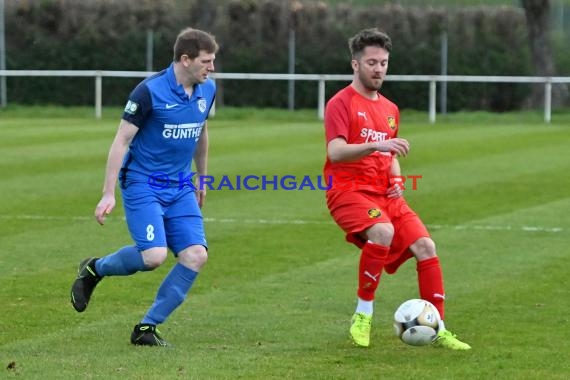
(253,34)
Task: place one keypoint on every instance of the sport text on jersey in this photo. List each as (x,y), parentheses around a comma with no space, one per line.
(182,131)
(372,135)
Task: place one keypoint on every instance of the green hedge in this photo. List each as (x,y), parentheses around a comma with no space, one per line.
(253,35)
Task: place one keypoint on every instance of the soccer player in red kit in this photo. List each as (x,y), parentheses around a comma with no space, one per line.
(365,197)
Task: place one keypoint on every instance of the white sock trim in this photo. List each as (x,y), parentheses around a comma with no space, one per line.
(366,307)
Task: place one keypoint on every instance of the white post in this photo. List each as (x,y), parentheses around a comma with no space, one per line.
(432,94)
(98,94)
(548,101)
(321,100)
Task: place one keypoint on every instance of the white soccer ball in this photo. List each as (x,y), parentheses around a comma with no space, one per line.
(417,322)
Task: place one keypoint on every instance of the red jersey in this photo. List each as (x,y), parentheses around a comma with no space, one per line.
(359,120)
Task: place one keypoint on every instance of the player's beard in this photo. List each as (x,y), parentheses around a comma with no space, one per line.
(371,84)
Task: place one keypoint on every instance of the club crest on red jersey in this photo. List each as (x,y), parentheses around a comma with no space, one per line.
(374,213)
(392,122)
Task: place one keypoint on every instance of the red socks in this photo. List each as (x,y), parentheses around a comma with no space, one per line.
(430,281)
(430,278)
(372,261)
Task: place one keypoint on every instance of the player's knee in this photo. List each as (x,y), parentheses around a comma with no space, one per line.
(194,257)
(380,233)
(423,248)
(154,257)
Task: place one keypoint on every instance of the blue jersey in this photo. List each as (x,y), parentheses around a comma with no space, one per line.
(170,124)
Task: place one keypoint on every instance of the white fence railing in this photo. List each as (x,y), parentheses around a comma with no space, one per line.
(321,79)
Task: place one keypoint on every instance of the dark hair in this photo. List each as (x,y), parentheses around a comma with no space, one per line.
(368,37)
(192,41)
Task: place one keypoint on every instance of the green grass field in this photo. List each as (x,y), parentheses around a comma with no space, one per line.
(277,294)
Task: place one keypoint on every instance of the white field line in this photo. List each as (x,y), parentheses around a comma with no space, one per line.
(303,222)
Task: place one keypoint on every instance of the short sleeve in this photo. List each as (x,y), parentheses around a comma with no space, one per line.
(138,106)
(337,122)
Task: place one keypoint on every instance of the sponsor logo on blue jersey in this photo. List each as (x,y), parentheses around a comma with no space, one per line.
(182,131)
(131,107)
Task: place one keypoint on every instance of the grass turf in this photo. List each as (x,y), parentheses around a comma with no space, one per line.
(276,296)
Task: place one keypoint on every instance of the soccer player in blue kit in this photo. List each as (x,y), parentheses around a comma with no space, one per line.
(164,127)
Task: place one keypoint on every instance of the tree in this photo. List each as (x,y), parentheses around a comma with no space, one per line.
(538,24)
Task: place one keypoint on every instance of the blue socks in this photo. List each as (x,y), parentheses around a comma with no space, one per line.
(172,291)
(125,261)
(171,294)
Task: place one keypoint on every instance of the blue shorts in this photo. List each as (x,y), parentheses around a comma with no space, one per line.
(167,217)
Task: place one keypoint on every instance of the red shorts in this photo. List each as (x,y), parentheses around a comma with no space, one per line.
(356,211)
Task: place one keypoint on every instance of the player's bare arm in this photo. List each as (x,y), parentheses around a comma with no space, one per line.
(338,150)
(201,162)
(123,138)
(396,188)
